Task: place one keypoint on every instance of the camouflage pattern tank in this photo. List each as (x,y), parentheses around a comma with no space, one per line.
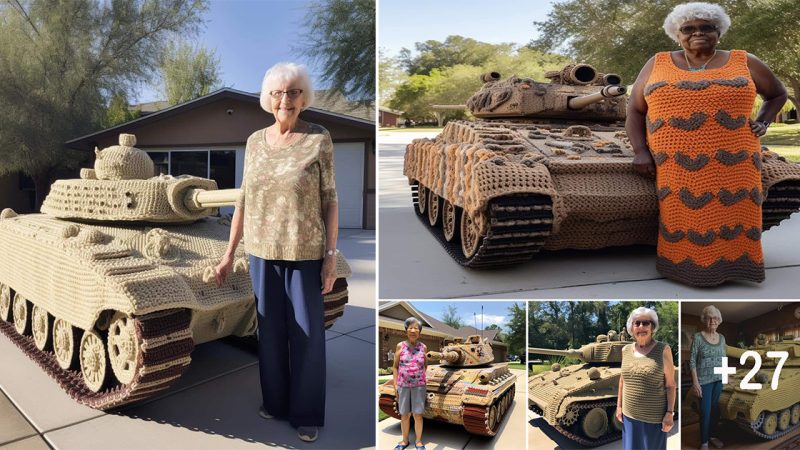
(112,285)
(548,166)
(765,413)
(467,388)
(580,401)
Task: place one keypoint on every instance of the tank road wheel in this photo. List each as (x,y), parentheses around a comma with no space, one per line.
(784,419)
(611,411)
(796,414)
(470,237)
(770,424)
(122,347)
(570,417)
(422,200)
(40,328)
(5,302)
(434,209)
(22,314)
(492,419)
(65,344)
(94,360)
(595,423)
(451,216)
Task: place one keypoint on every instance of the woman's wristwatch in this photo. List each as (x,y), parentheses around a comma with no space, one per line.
(331,252)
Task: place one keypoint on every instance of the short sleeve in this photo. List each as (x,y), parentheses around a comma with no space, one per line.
(327,171)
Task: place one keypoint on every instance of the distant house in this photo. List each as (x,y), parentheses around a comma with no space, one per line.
(389,117)
(206,137)
(391,330)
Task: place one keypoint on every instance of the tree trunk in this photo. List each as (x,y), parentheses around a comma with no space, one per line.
(795,99)
(41,182)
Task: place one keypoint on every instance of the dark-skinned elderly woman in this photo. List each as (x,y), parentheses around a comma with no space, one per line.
(689,128)
(646,399)
(289,218)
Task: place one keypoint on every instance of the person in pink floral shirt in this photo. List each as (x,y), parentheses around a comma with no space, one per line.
(409,380)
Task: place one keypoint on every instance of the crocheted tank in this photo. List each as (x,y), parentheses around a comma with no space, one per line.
(644,395)
(708,165)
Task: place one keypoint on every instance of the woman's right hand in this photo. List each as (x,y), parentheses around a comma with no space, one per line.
(619,414)
(644,165)
(698,391)
(222,269)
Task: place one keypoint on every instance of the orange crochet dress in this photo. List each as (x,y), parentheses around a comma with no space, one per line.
(708,166)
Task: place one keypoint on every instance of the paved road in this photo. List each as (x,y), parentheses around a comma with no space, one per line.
(444,436)
(214,405)
(414,266)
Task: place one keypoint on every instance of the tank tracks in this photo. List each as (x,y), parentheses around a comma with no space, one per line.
(519,225)
(754,427)
(166,345)
(587,442)
(782,200)
(476,418)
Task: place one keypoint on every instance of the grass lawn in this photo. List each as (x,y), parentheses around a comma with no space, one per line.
(412,129)
(779,134)
(539,368)
(518,366)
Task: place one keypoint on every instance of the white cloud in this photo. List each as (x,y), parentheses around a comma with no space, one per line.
(488,319)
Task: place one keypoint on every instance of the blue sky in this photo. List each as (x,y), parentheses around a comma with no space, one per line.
(402,23)
(249,36)
(494,311)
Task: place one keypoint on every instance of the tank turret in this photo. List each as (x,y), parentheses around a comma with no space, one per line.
(602,351)
(577,92)
(110,288)
(474,351)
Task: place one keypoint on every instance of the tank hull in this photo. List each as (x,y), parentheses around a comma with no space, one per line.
(495,192)
(112,311)
(456,395)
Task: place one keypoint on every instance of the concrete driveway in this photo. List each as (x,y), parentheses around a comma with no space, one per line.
(414,265)
(445,436)
(214,405)
(545,437)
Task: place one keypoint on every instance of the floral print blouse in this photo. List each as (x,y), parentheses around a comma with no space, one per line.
(411,370)
(283,192)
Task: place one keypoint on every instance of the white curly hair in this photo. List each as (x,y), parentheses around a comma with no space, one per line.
(710,310)
(286,72)
(686,12)
(642,311)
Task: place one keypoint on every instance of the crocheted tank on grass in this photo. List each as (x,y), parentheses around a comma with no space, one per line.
(708,172)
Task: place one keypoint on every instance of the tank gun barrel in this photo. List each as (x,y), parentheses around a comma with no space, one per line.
(449,356)
(572,353)
(606,92)
(199,199)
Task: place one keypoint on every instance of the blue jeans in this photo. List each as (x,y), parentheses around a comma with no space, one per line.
(709,410)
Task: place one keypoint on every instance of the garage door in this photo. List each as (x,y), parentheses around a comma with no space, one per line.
(349,160)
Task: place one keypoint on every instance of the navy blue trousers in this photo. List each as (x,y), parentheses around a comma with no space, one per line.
(709,410)
(638,435)
(291,339)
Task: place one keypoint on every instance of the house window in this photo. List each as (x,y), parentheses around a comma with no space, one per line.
(219,165)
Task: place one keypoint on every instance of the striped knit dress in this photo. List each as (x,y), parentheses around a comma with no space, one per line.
(708,166)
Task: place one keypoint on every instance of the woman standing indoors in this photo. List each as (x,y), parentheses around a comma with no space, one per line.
(289,217)
(708,349)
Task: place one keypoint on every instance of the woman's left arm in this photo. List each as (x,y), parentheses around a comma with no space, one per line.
(770,88)
(669,382)
(330,212)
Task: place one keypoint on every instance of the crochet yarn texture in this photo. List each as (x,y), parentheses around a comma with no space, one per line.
(708,165)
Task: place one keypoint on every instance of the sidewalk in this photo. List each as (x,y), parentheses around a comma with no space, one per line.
(420,268)
(445,436)
(214,404)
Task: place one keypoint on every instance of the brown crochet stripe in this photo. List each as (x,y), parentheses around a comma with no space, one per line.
(709,236)
(650,88)
(721,271)
(692,123)
(725,197)
(689,163)
(732,123)
(730,158)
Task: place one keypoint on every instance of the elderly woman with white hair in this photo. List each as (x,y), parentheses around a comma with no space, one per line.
(289,218)
(646,399)
(688,123)
(708,349)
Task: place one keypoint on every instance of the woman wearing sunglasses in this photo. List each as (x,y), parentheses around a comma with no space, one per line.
(646,400)
(708,349)
(289,218)
(688,123)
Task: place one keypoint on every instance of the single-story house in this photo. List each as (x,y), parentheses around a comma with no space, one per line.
(389,117)
(391,330)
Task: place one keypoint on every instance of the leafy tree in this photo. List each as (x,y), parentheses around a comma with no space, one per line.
(118,111)
(390,76)
(493,326)
(452,318)
(341,35)
(515,338)
(188,72)
(61,62)
(621,36)
(454,50)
